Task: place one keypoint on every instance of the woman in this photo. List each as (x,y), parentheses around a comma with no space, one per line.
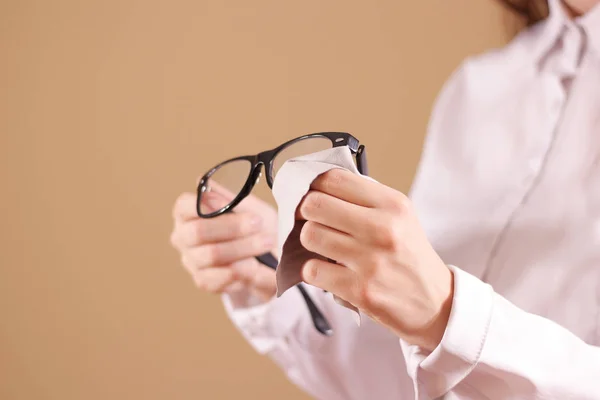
(486,283)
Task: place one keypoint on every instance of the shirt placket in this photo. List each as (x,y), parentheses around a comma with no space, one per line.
(557,73)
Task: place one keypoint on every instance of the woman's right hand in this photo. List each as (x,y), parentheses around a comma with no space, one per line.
(219,253)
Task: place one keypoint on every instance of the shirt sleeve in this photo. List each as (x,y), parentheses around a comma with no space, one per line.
(363,362)
(354,363)
(492,349)
(262,324)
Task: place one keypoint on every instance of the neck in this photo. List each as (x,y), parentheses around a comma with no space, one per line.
(578,8)
(570,11)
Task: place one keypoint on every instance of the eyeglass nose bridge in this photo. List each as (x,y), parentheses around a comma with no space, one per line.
(256,173)
(265,159)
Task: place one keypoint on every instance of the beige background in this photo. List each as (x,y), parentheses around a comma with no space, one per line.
(109,109)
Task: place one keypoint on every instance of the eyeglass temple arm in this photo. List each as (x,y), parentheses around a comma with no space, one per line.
(318,319)
(361,160)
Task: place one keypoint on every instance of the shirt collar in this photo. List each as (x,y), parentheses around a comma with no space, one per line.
(590,22)
(558,22)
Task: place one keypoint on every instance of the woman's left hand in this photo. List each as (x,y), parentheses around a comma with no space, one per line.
(386,266)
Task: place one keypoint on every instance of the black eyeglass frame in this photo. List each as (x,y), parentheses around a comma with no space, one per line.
(265,159)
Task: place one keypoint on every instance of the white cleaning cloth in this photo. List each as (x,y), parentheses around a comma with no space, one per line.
(291,184)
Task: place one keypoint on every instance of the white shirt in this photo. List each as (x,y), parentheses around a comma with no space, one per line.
(508,190)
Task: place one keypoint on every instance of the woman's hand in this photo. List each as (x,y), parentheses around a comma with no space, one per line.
(386,266)
(219,252)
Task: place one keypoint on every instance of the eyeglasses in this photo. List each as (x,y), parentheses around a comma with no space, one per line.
(239,175)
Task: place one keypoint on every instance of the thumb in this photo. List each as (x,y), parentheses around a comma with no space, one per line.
(220,196)
(215,197)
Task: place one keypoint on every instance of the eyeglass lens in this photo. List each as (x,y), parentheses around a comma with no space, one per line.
(228,180)
(298,149)
(224,185)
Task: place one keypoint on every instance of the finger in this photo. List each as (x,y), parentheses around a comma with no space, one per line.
(234,287)
(225,253)
(219,196)
(332,212)
(264,281)
(185,207)
(214,280)
(354,188)
(334,278)
(257,276)
(329,243)
(213,200)
(226,227)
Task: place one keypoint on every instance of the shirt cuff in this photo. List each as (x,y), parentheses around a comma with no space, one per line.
(438,372)
(264,324)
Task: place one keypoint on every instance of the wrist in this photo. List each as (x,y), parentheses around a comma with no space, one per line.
(433,333)
(244,297)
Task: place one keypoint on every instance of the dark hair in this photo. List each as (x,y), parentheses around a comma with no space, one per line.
(531,11)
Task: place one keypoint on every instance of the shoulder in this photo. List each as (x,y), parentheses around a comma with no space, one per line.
(497,66)
(482,81)
(516,55)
